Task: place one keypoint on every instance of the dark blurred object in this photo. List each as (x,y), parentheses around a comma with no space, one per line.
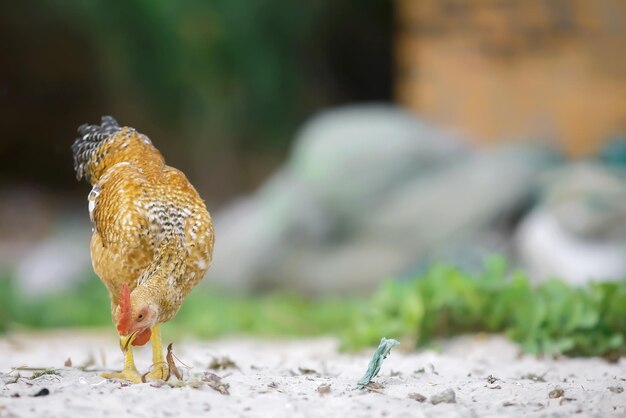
(49,82)
(219,85)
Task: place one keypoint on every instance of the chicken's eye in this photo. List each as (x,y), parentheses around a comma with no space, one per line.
(140,317)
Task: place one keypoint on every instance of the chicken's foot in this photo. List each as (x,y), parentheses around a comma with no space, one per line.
(130,372)
(159,369)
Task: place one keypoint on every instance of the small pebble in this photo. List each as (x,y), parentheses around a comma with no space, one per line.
(323,389)
(447,396)
(42,392)
(417,397)
(556,393)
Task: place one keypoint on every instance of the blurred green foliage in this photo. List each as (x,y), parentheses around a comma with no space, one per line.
(85,305)
(207,312)
(220,86)
(230,68)
(551,318)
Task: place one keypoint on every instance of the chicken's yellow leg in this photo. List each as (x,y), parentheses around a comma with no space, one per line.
(130,372)
(159,369)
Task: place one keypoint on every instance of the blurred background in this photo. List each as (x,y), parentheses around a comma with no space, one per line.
(337,143)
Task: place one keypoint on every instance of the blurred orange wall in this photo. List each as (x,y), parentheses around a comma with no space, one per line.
(515,69)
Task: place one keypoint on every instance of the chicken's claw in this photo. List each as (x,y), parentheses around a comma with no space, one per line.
(158,371)
(132,376)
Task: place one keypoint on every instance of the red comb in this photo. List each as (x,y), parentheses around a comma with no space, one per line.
(124,322)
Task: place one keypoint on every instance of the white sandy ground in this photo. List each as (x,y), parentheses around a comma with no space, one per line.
(271,380)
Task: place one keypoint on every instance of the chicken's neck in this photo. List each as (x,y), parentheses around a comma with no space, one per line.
(161,282)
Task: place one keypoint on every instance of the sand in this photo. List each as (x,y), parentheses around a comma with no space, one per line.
(304,378)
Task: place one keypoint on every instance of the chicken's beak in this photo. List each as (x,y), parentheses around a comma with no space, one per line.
(127,340)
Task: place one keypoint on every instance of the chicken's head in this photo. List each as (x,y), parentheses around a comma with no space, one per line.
(135,319)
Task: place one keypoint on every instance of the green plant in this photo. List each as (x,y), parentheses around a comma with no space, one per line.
(207,312)
(549,318)
(40,373)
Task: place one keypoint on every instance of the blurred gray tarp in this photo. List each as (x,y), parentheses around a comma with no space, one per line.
(371,192)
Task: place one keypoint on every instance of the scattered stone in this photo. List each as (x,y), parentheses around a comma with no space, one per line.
(42,392)
(432,369)
(274,385)
(6,379)
(157,383)
(447,396)
(374,387)
(222,363)
(615,389)
(215,383)
(534,377)
(323,389)
(492,379)
(417,397)
(556,393)
(68,362)
(304,370)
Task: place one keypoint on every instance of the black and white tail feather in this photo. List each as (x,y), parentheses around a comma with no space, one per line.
(91,136)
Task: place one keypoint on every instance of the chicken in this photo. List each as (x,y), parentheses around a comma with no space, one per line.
(152,236)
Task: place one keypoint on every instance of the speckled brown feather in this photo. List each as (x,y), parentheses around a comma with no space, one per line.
(152,230)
